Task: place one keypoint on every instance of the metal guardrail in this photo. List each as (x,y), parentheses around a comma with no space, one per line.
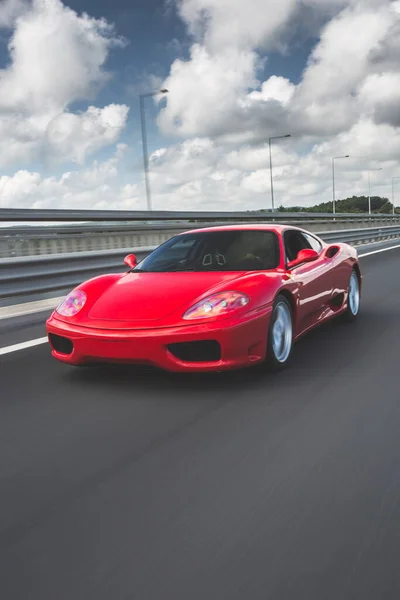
(15,215)
(38,239)
(40,274)
(360,236)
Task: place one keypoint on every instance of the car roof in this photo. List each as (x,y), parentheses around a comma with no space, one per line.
(277,228)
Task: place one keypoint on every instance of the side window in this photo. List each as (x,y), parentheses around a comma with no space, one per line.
(294,242)
(314,243)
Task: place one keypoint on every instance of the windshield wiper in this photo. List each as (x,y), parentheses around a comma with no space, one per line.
(139,270)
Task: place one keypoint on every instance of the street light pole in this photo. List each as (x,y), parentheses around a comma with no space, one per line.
(278,137)
(270,173)
(369,192)
(145,153)
(333,180)
(144,142)
(393,179)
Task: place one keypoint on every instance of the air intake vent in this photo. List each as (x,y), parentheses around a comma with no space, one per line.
(330,253)
(61,344)
(204,351)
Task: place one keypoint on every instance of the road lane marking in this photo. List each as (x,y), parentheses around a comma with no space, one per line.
(23,345)
(29,308)
(378,251)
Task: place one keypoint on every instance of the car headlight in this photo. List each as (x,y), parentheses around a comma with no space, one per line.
(72,304)
(218,304)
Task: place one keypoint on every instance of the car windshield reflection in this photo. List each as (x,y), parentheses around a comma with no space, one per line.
(232,250)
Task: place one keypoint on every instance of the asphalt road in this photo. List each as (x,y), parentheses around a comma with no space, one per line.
(121,484)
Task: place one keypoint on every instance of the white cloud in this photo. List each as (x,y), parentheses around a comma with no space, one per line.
(10,10)
(328,98)
(202,174)
(200,154)
(56,58)
(276,88)
(219,106)
(216,93)
(225,23)
(73,137)
(380,94)
(204,91)
(347,101)
(96,187)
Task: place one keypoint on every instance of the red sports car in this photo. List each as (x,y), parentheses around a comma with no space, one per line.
(209,300)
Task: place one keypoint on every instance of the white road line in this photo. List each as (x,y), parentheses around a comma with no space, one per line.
(29,308)
(23,345)
(378,251)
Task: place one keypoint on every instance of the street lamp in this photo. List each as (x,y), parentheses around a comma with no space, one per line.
(277,137)
(393,178)
(333,179)
(144,142)
(369,188)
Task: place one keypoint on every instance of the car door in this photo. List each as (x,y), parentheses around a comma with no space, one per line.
(338,272)
(313,279)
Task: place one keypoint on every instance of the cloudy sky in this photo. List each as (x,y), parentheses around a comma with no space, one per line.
(238,71)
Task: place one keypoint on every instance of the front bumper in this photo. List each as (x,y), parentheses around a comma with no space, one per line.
(242,343)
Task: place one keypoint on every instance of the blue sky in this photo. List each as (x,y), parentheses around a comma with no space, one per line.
(155,36)
(209,137)
(150,28)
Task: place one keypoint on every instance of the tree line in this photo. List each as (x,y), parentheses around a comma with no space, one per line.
(355,204)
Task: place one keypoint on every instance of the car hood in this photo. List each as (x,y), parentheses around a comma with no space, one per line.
(150,297)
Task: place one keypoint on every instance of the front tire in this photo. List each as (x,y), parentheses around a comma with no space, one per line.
(280,335)
(353,298)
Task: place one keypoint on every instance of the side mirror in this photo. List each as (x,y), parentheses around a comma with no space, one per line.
(130,260)
(304,256)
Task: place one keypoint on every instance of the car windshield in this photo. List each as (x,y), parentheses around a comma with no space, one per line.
(231,250)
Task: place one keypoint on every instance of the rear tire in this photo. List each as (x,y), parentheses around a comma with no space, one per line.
(280,335)
(353,298)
